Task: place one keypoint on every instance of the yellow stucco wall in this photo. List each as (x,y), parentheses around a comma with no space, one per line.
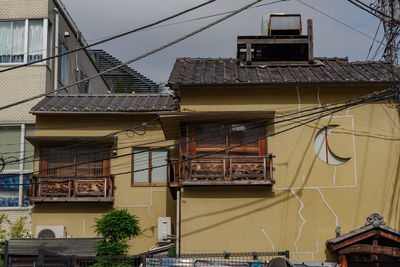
(310,198)
(148,203)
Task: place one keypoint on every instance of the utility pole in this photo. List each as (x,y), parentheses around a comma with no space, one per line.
(390,11)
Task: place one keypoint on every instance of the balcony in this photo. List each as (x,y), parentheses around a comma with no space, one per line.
(71,189)
(230,170)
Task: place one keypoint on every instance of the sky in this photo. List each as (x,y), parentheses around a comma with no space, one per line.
(98,19)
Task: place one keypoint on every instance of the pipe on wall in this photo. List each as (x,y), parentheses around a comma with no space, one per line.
(56,46)
(178,222)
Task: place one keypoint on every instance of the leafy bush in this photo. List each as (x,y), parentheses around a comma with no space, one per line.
(116,228)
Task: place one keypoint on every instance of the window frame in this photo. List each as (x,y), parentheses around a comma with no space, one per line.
(106,162)
(21,171)
(150,170)
(192,148)
(45,37)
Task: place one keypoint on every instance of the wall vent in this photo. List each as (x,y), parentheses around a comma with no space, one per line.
(50,231)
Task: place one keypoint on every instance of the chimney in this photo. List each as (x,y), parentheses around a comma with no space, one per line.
(281,42)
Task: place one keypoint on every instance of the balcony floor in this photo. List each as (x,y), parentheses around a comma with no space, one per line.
(216,182)
(72,199)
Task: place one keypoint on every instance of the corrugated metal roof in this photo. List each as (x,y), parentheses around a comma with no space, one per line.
(228,71)
(95,103)
(124,79)
(59,246)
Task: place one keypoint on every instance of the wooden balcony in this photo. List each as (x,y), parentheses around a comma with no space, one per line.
(71,189)
(238,170)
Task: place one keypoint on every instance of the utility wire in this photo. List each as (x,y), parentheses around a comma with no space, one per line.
(304,122)
(338,21)
(137,58)
(112,37)
(375,96)
(373,42)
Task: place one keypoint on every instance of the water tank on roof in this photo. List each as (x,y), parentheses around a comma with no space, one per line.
(281,24)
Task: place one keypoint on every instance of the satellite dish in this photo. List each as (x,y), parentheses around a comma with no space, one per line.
(280,262)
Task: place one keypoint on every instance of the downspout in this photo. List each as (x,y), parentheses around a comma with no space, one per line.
(56,46)
(178,223)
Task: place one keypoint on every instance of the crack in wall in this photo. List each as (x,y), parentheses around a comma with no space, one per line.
(301,216)
(329,207)
(268,238)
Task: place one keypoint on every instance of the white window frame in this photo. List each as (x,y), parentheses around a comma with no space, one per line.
(26,42)
(21,171)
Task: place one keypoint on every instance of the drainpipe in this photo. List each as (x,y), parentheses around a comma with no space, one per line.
(178,223)
(56,46)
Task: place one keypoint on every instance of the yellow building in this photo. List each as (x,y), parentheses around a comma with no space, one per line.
(284,151)
(76,180)
(273,150)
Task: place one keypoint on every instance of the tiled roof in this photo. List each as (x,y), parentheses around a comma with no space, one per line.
(87,103)
(228,71)
(124,79)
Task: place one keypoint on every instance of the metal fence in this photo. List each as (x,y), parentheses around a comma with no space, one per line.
(250,259)
(238,259)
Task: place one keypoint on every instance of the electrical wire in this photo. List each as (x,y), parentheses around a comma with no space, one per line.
(111,38)
(304,122)
(137,58)
(368,98)
(338,21)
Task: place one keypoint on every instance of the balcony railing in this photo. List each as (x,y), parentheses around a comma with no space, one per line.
(71,189)
(233,170)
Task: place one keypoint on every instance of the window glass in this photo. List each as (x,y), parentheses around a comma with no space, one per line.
(29,149)
(10,139)
(35,40)
(83,86)
(9,190)
(25,194)
(62,64)
(141,162)
(5,41)
(18,41)
(159,160)
(13,43)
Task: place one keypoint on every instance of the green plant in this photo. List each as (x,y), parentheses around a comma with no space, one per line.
(172,252)
(116,228)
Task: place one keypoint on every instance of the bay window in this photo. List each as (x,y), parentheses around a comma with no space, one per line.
(23,41)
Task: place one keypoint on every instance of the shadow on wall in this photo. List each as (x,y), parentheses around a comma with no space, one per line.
(74,208)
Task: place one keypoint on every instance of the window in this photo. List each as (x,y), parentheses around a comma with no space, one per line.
(149,166)
(83,86)
(62,64)
(79,161)
(14,180)
(244,138)
(23,40)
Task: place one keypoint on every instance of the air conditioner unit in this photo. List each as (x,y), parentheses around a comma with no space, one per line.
(164,229)
(50,231)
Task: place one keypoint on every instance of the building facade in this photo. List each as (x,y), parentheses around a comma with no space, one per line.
(31,31)
(263,152)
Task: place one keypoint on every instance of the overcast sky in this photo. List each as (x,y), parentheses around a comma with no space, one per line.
(98,19)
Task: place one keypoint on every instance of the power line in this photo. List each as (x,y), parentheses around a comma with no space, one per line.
(137,58)
(366,99)
(338,21)
(112,37)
